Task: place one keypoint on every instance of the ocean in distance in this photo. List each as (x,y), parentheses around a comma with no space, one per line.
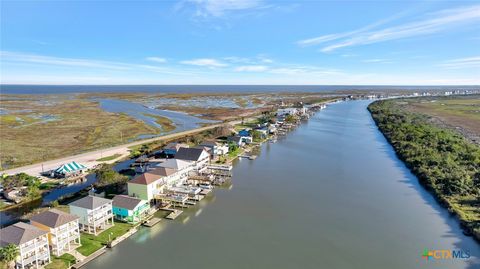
(64,89)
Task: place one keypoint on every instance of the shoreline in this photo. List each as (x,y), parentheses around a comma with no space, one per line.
(468,227)
(255,146)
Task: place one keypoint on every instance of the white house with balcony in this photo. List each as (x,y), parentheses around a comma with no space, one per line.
(95,214)
(63,230)
(216,148)
(182,168)
(32,244)
(198,156)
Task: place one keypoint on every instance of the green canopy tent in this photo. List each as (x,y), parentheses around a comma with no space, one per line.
(69,169)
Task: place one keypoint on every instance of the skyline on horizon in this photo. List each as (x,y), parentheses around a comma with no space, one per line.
(232,42)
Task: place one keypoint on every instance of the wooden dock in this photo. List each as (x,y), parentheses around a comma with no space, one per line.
(205,191)
(151,222)
(174,214)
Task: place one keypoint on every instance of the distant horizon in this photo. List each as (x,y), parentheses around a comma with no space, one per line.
(254,89)
(299,85)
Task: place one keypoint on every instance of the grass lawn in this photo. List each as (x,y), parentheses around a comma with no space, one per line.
(91,243)
(109,158)
(89,246)
(234,153)
(61,262)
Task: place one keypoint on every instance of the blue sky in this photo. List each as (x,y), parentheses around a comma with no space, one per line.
(240,42)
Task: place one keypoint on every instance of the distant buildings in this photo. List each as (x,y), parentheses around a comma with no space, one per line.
(32,244)
(63,230)
(95,214)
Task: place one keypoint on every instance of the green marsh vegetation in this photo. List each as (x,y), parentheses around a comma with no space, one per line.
(444,161)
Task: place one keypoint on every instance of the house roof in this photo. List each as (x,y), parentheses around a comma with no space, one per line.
(19,233)
(90,202)
(206,148)
(53,218)
(175,146)
(163,171)
(210,143)
(146,178)
(175,164)
(235,138)
(189,154)
(124,201)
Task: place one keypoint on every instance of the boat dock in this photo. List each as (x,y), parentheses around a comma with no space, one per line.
(151,222)
(250,157)
(174,214)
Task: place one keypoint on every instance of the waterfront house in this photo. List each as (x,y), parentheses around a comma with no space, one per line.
(95,214)
(282,112)
(244,132)
(172,148)
(146,186)
(32,244)
(272,129)
(240,140)
(130,209)
(182,169)
(216,148)
(63,230)
(199,156)
(263,132)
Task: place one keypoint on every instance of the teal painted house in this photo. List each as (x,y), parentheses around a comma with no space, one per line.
(129,209)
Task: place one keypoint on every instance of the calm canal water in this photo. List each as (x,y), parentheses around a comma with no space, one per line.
(331,194)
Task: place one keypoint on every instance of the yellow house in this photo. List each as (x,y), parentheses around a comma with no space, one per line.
(149,184)
(63,230)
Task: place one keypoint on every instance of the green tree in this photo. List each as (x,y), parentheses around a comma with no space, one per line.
(107,176)
(9,253)
(290,119)
(257,136)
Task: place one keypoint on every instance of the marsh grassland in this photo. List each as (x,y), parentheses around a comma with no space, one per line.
(37,128)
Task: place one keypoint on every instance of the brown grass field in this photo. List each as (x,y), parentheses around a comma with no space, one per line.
(77,126)
(461,113)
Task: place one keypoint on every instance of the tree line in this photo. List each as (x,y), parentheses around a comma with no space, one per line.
(443,160)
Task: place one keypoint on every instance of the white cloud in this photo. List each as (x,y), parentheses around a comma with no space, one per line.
(266,60)
(294,70)
(156,59)
(211,63)
(436,22)
(218,8)
(385,61)
(235,59)
(251,68)
(257,60)
(28,58)
(470,62)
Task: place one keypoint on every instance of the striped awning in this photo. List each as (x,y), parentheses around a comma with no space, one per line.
(70,167)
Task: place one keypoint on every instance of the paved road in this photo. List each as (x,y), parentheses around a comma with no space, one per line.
(89,158)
